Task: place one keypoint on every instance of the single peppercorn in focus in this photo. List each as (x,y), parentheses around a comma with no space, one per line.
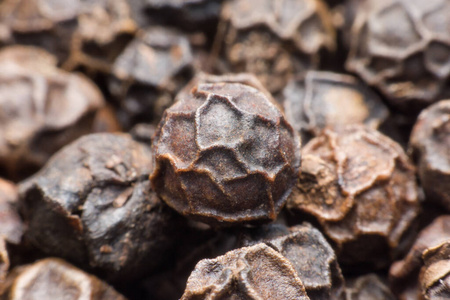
(225,153)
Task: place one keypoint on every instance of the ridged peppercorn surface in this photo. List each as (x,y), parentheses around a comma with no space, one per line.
(402,47)
(225,153)
(430,146)
(361,188)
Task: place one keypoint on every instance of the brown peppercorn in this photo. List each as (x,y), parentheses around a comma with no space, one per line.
(256,272)
(368,287)
(99,209)
(42,108)
(275,39)
(225,154)
(11,227)
(430,146)
(148,74)
(309,253)
(435,274)
(90,33)
(54,278)
(325,99)
(404,274)
(361,188)
(402,48)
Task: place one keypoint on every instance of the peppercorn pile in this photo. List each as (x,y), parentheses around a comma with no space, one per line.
(224,149)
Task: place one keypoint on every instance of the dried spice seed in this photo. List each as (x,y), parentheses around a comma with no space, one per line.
(50,109)
(53,278)
(222,143)
(429,145)
(368,287)
(87,33)
(256,272)
(325,99)
(148,74)
(435,274)
(404,274)
(402,48)
(309,253)
(100,210)
(361,188)
(275,39)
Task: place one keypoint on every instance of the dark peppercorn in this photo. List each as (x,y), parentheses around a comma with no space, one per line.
(435,274)
(54,278)
(256,272)
(275,39)
(325,99)
(404,274)
(430,147)
(42,108)
(148,74)
(368,287)
(225,154)
(99,209)
(309,253)
(87,33)
(402,48)
(361,188)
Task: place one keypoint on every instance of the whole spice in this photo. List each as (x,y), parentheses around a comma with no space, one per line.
(53,278)
(435,274)
(79,33)
(404,274)
(309,253)
(430,148)
(402,48)
(42,108)
(99,209)
(360,186)
(368,287)
(148,74)
(225,154)
(275,39)
(256,272)
(325,99)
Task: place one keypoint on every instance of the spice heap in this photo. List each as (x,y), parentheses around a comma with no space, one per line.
(224,149)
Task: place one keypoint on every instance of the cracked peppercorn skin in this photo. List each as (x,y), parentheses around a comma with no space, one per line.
(361,188)
(225,154)
(92,204)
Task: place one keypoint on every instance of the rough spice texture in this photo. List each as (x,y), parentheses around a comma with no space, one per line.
(430,147)
(225,154)
(147,75)
(42,108)
(326,99)
(257,272)
(53,278)
(361,188)
(402,48)
(434,277)
(99,209)
(275,39)
(309,253)
(404,274)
